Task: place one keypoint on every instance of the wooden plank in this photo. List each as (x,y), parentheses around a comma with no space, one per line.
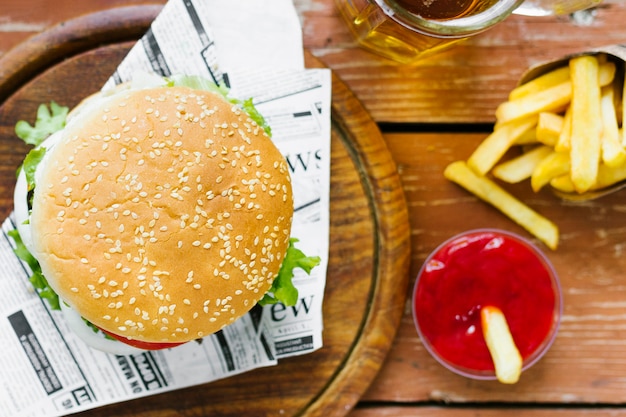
(427,411)
(21,19)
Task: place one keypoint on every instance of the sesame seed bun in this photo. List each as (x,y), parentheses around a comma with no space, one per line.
(161,215)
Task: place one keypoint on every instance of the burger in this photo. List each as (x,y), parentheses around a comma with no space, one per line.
(160,213)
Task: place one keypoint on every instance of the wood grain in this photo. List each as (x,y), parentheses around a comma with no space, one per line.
(457,91)
(427,411)
(586,363)
(369,241)
(22,19)
(463,85)
(69,38)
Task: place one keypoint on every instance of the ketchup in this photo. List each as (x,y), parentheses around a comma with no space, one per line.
(480,268)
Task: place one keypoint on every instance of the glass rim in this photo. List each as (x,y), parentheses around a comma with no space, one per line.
(457,28)
(556,318)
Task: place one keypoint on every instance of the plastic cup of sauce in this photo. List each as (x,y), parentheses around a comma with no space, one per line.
(476,269)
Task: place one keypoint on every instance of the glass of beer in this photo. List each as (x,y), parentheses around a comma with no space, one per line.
(409,30)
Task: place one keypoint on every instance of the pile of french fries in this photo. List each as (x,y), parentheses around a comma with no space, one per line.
(568,125)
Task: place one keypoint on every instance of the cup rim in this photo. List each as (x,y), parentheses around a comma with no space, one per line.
(455,28)
(556,319)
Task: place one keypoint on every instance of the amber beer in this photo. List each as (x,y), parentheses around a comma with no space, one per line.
(409,30)
(445,9)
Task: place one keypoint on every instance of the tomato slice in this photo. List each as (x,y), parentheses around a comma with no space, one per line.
(140,344)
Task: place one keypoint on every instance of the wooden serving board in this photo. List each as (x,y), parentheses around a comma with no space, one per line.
(369,233)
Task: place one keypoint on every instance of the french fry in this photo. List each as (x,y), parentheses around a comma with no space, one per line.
(607,176)
(623,109)
(549,126)
(490,150)
(613,153)
(521,168)
(569,122)
(563,183)
(506,357)
(487,190)
(619,106)
(606,72)
(551,96)
(559,75)
(551,99)
(586,111)
(553,165)
(563,142)
(541,83)
(527,138)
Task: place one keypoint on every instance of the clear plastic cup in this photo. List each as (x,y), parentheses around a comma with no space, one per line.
(485,267)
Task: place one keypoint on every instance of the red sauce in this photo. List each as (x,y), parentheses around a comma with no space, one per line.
(478,269)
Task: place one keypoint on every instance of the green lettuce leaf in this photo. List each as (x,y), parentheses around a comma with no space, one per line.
(199,83)
(48,122)
(282,289)
(29,165)
(37,279)
(254,114)
(96,329)
(32,160)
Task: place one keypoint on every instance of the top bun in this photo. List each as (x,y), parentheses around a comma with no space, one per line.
(162,214)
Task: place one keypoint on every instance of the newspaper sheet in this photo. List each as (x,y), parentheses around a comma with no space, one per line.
(47,369)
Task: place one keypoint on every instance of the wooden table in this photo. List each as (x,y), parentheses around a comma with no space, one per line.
(431,114)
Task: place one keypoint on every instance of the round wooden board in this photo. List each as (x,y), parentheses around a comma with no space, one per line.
(369,234)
